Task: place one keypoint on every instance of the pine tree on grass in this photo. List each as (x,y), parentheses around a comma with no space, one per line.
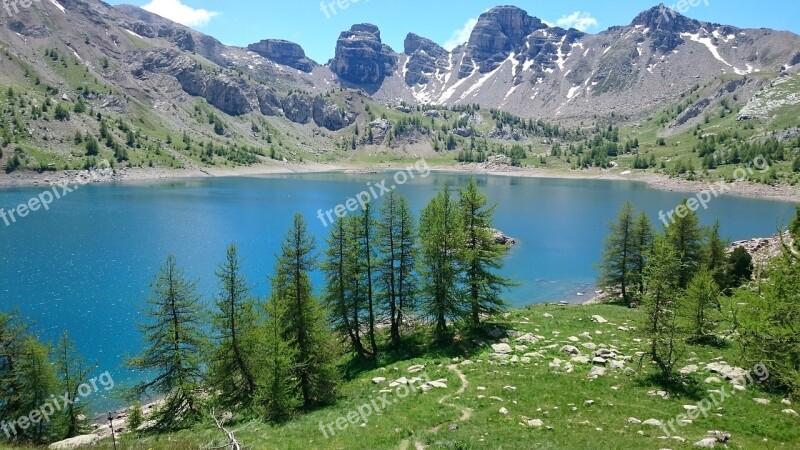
(173,341)
(234,322)
(483,257)
(661,325)
(442,261)
(71,372)
(303,318)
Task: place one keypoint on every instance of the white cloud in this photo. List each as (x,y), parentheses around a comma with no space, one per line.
(176,11)
(461,35)
(578,20)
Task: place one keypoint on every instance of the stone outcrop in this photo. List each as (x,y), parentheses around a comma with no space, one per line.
(361,57)
(498,32)
(424,57)
(665,27)
(329,115)
(283,52)
(76,442)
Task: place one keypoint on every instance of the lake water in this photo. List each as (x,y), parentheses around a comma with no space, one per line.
(84,265)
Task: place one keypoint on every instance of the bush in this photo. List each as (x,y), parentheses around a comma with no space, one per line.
(768,329)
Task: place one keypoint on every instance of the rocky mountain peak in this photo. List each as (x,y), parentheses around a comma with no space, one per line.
(367,28)
(415,42)
(361,58)
(664,18)
(499,32)
(424,58)
(283,52)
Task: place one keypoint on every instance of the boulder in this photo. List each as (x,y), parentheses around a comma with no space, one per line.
(76,442)
(283,52)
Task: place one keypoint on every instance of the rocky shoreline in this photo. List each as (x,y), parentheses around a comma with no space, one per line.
(144,174)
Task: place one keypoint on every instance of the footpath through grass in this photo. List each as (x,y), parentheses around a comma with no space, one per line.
(496,402)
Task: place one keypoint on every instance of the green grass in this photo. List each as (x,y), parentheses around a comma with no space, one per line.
(557,398)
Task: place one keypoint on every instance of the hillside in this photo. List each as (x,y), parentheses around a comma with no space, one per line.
(548,404)
(155,94)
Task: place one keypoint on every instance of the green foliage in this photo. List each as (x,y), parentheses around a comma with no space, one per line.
(739,267)
(71,372)
(61,112)
(232,364)
(442,260)
(661,326)
(702,306)
(625,254)
(686,237)
(794,227)
(482,256)
(395,239)
(92,148)
(36,381)
(173,341)
(771,324)
(135,417)
(302,318)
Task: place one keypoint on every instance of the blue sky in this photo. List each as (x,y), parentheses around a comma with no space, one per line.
(448,22)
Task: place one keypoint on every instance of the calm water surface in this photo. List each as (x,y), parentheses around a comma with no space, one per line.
(84,265)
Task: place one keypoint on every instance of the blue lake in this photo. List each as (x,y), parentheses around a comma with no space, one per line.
(84,265)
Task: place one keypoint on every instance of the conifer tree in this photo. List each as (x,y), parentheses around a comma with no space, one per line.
(234,322)
(483,257)
(686,237)
(396,242)
(278,390)
(303,319)
(72,372)
(619,260)
(37,381)
(702,306)
(715,256)
(342,295)
(442,261)
(643,236)
(173,341)
(661,325)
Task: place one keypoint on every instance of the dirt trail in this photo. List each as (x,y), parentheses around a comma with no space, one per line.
(466,413)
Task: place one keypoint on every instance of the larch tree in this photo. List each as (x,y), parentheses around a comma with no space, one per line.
(442,261)
(341,295)
(702,306)
(173,343)
(619,259)
(396,243)
(303,318)
(643,236)
(367,257)
(71,372)
(37,381)
(715,256)
(234,323)
(686,237)
(661,325)
(278,392)
(482,256)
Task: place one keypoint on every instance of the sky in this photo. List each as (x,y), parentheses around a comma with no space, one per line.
(316,25)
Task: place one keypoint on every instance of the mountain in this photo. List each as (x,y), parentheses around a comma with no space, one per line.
(159,80)
(517,63)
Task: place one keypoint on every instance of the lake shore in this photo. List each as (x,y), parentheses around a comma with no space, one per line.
(656,181)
